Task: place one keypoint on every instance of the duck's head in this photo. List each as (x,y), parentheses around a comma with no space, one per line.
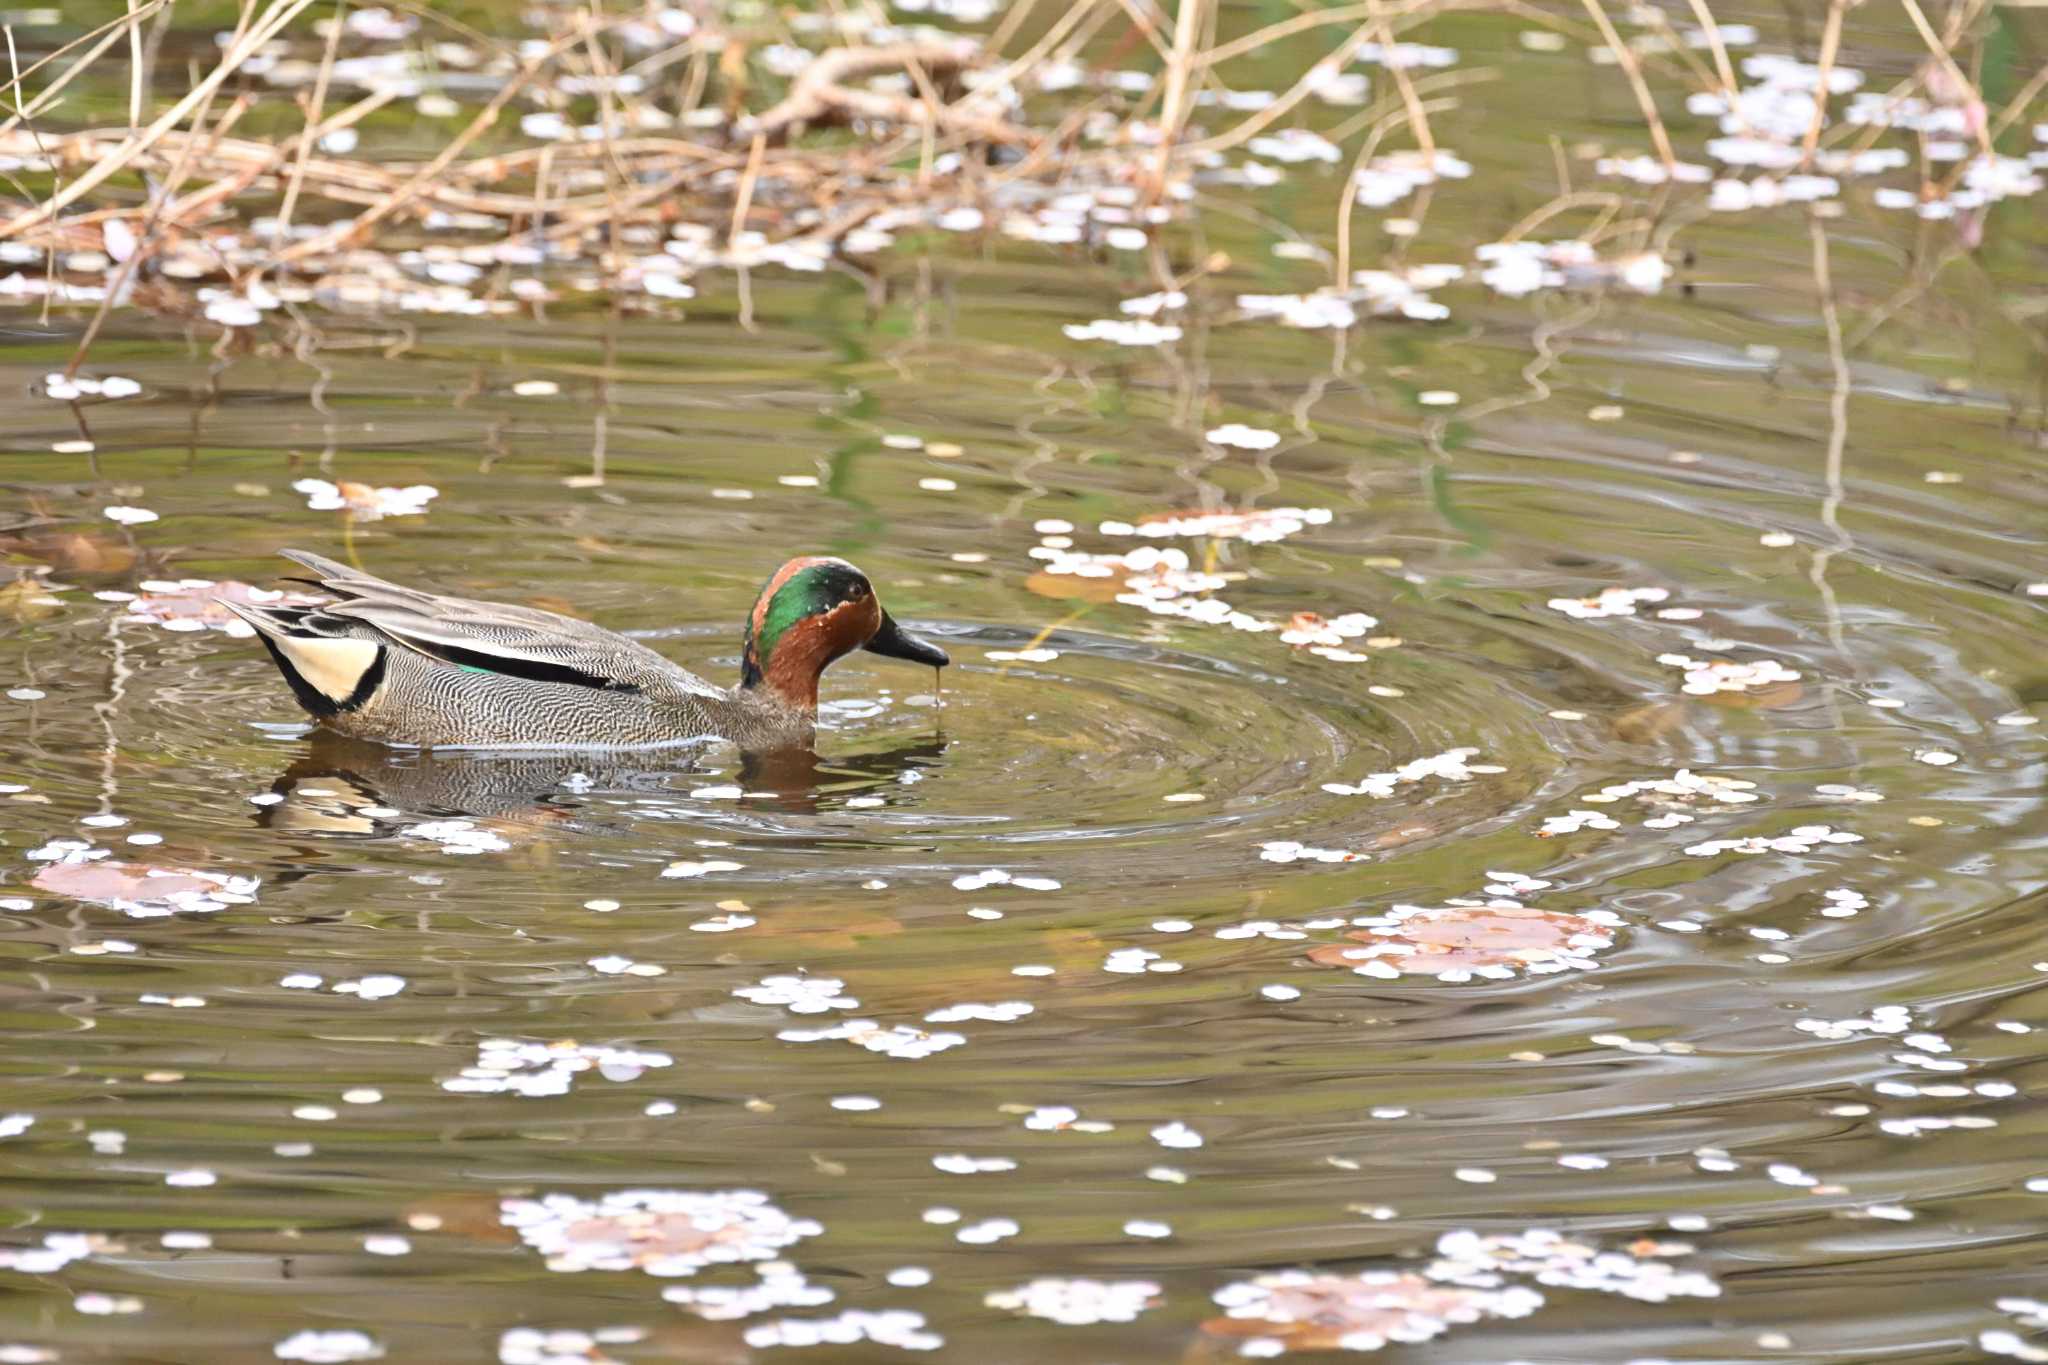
(815,610)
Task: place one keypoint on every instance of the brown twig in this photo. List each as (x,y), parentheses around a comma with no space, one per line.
(280,13)
(1178,99)
(101,38)
(749,178)
(1626,59)
(1830,47)
(821,94)
(145,242)
(422,180)
(314,108)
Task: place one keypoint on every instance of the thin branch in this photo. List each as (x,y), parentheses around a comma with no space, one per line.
(1946,61)
(1830,47)
(274,19)
(1634,71)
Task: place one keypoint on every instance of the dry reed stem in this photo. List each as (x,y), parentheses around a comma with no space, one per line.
(1014,18)
(103,37)
(1725,68)
(1660,24)
(1634,71)
(928,134)
(1535,218)
(1048,43)
(280,13)
(744,199)
(314,108)
(1838,433)
(134,69)
(1147,26)
(422,179)
(2016,108)
(1945,60)
(1178,99)
(1418,120)
(1302,23)
(1433,84)
(1830,48)
(1256,123)
(1342,266)
(643,175)
(820,94)
(145,241)
(50,263)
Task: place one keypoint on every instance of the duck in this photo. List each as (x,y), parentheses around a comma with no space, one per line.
(414,669)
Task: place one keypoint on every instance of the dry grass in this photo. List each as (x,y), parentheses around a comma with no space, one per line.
(691,131)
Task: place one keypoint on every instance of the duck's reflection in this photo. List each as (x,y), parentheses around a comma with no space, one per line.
(343,786)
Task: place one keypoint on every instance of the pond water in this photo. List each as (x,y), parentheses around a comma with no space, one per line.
(1697,924)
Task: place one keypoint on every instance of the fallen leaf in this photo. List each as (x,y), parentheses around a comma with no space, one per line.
(1461,938)
(1313,1312)
(1074,587)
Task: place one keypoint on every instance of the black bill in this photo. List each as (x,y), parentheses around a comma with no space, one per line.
(894,642)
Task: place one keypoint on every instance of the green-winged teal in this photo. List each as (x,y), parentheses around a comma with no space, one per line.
(406,667)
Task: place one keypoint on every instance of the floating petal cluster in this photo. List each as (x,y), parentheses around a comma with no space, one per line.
(1560,1262)
(1253,525)
(663,1232)
(1608,602)
(800,994)
(779,1285)
(1450,766)
(507,1066)
(1495,940)
(1800,839)
(1705,677)
(1515,269)
(1078,1302)
(189,604)
(363,502)
(901,1041)
(1297,1310)
(898,1327)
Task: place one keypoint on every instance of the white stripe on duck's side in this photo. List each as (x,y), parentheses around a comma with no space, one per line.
(333,668)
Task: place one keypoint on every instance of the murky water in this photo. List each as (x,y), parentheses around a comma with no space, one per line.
(1132,906)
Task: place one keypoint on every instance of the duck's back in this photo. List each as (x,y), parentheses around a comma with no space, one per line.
(401,666)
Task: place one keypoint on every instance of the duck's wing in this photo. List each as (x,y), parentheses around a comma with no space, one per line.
(521,642)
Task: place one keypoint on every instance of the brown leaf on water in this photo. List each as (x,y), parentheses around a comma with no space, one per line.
(1647,723)
(471,1215)
(1769,698)
(1462,938)
(158,295)
(1312,1312)
(1074,587)
(27,598)
(143,890)
(74,552)
(827,927)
